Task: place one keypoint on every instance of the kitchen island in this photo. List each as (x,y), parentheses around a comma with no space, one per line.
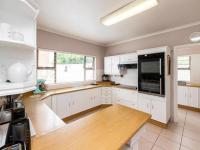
(110,128)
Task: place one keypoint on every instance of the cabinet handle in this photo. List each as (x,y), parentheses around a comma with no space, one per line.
(147,105)
(152,107)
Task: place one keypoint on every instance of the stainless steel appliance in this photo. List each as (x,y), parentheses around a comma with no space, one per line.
(14,128)
(151,73)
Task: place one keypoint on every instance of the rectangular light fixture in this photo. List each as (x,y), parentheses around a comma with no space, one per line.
(129,10)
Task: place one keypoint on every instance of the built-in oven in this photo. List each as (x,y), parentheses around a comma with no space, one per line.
(151,73)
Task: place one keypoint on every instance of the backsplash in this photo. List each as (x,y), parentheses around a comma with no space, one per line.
(130,78)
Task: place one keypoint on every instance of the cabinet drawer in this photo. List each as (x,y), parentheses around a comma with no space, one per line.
(128,103)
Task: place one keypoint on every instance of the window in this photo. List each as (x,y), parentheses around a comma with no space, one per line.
(184,68)
(58,67)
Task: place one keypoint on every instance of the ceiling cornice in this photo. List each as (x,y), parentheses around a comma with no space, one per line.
(154,34)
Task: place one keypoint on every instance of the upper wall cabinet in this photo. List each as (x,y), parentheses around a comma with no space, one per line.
(107,65)
(111,62)
(128,58)
(111,65)
(17,46)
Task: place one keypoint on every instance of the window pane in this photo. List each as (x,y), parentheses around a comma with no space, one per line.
(45,58)
(89,74)
(48,75)
(184,62)
(69,68)
(183,75)
(89,62)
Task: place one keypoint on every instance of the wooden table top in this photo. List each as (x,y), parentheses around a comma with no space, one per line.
(107,129)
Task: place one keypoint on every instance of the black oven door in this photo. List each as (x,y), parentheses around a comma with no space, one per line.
(151,76)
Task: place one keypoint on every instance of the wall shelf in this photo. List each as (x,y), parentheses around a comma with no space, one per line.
(27,8)
(16,44)
(21,16)
(16,88)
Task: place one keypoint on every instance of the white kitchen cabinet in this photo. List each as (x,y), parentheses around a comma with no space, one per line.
(72,103)
(128,58)
(116,96)
(97,96)
(48,101)
(154,105)
(158,110)
(188,96)
(107,65)
(111,65)
(124,97)
(61,104)
(144,105)
(106,95)
(193,95)
(182,95)
(115,63)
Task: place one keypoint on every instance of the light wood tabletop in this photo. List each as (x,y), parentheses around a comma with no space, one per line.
(107,129)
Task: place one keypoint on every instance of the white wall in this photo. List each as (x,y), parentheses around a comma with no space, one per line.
(195,71)
(130,78)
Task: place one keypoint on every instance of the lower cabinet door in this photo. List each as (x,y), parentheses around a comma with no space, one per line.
(193,95)
(60,105)
(183,95)
(144,105)
(158,111)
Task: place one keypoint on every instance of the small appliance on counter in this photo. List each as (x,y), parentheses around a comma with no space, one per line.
(105,77)
(40,87)
(14,125)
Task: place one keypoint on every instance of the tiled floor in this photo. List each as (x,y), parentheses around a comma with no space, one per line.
(183,135)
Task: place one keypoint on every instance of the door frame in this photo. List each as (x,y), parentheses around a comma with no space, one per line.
(180,50)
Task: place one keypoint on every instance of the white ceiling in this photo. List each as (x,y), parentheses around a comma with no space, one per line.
(81,19)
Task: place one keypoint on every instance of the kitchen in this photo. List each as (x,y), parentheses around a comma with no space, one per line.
(93,86)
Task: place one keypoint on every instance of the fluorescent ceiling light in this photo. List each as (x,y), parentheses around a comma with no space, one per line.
(195,37)
(131,9)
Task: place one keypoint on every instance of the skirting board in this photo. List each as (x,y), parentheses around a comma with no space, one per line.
(157,123)
(189,108)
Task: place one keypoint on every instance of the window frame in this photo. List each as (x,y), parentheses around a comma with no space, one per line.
(55,64)
(189,68)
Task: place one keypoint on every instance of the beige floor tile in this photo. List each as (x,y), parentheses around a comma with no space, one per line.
(184,148)
(142,145)
(173,136)
(167,144)
(173,127)
(183,111)
(157,148)
(192,126)
(191,134)
(190,143)
(153,128)
(149,135)
(193,114)
(145,145)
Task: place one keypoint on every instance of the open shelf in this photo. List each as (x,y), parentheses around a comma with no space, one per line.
(20,7)
(16,44)
(16,88)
